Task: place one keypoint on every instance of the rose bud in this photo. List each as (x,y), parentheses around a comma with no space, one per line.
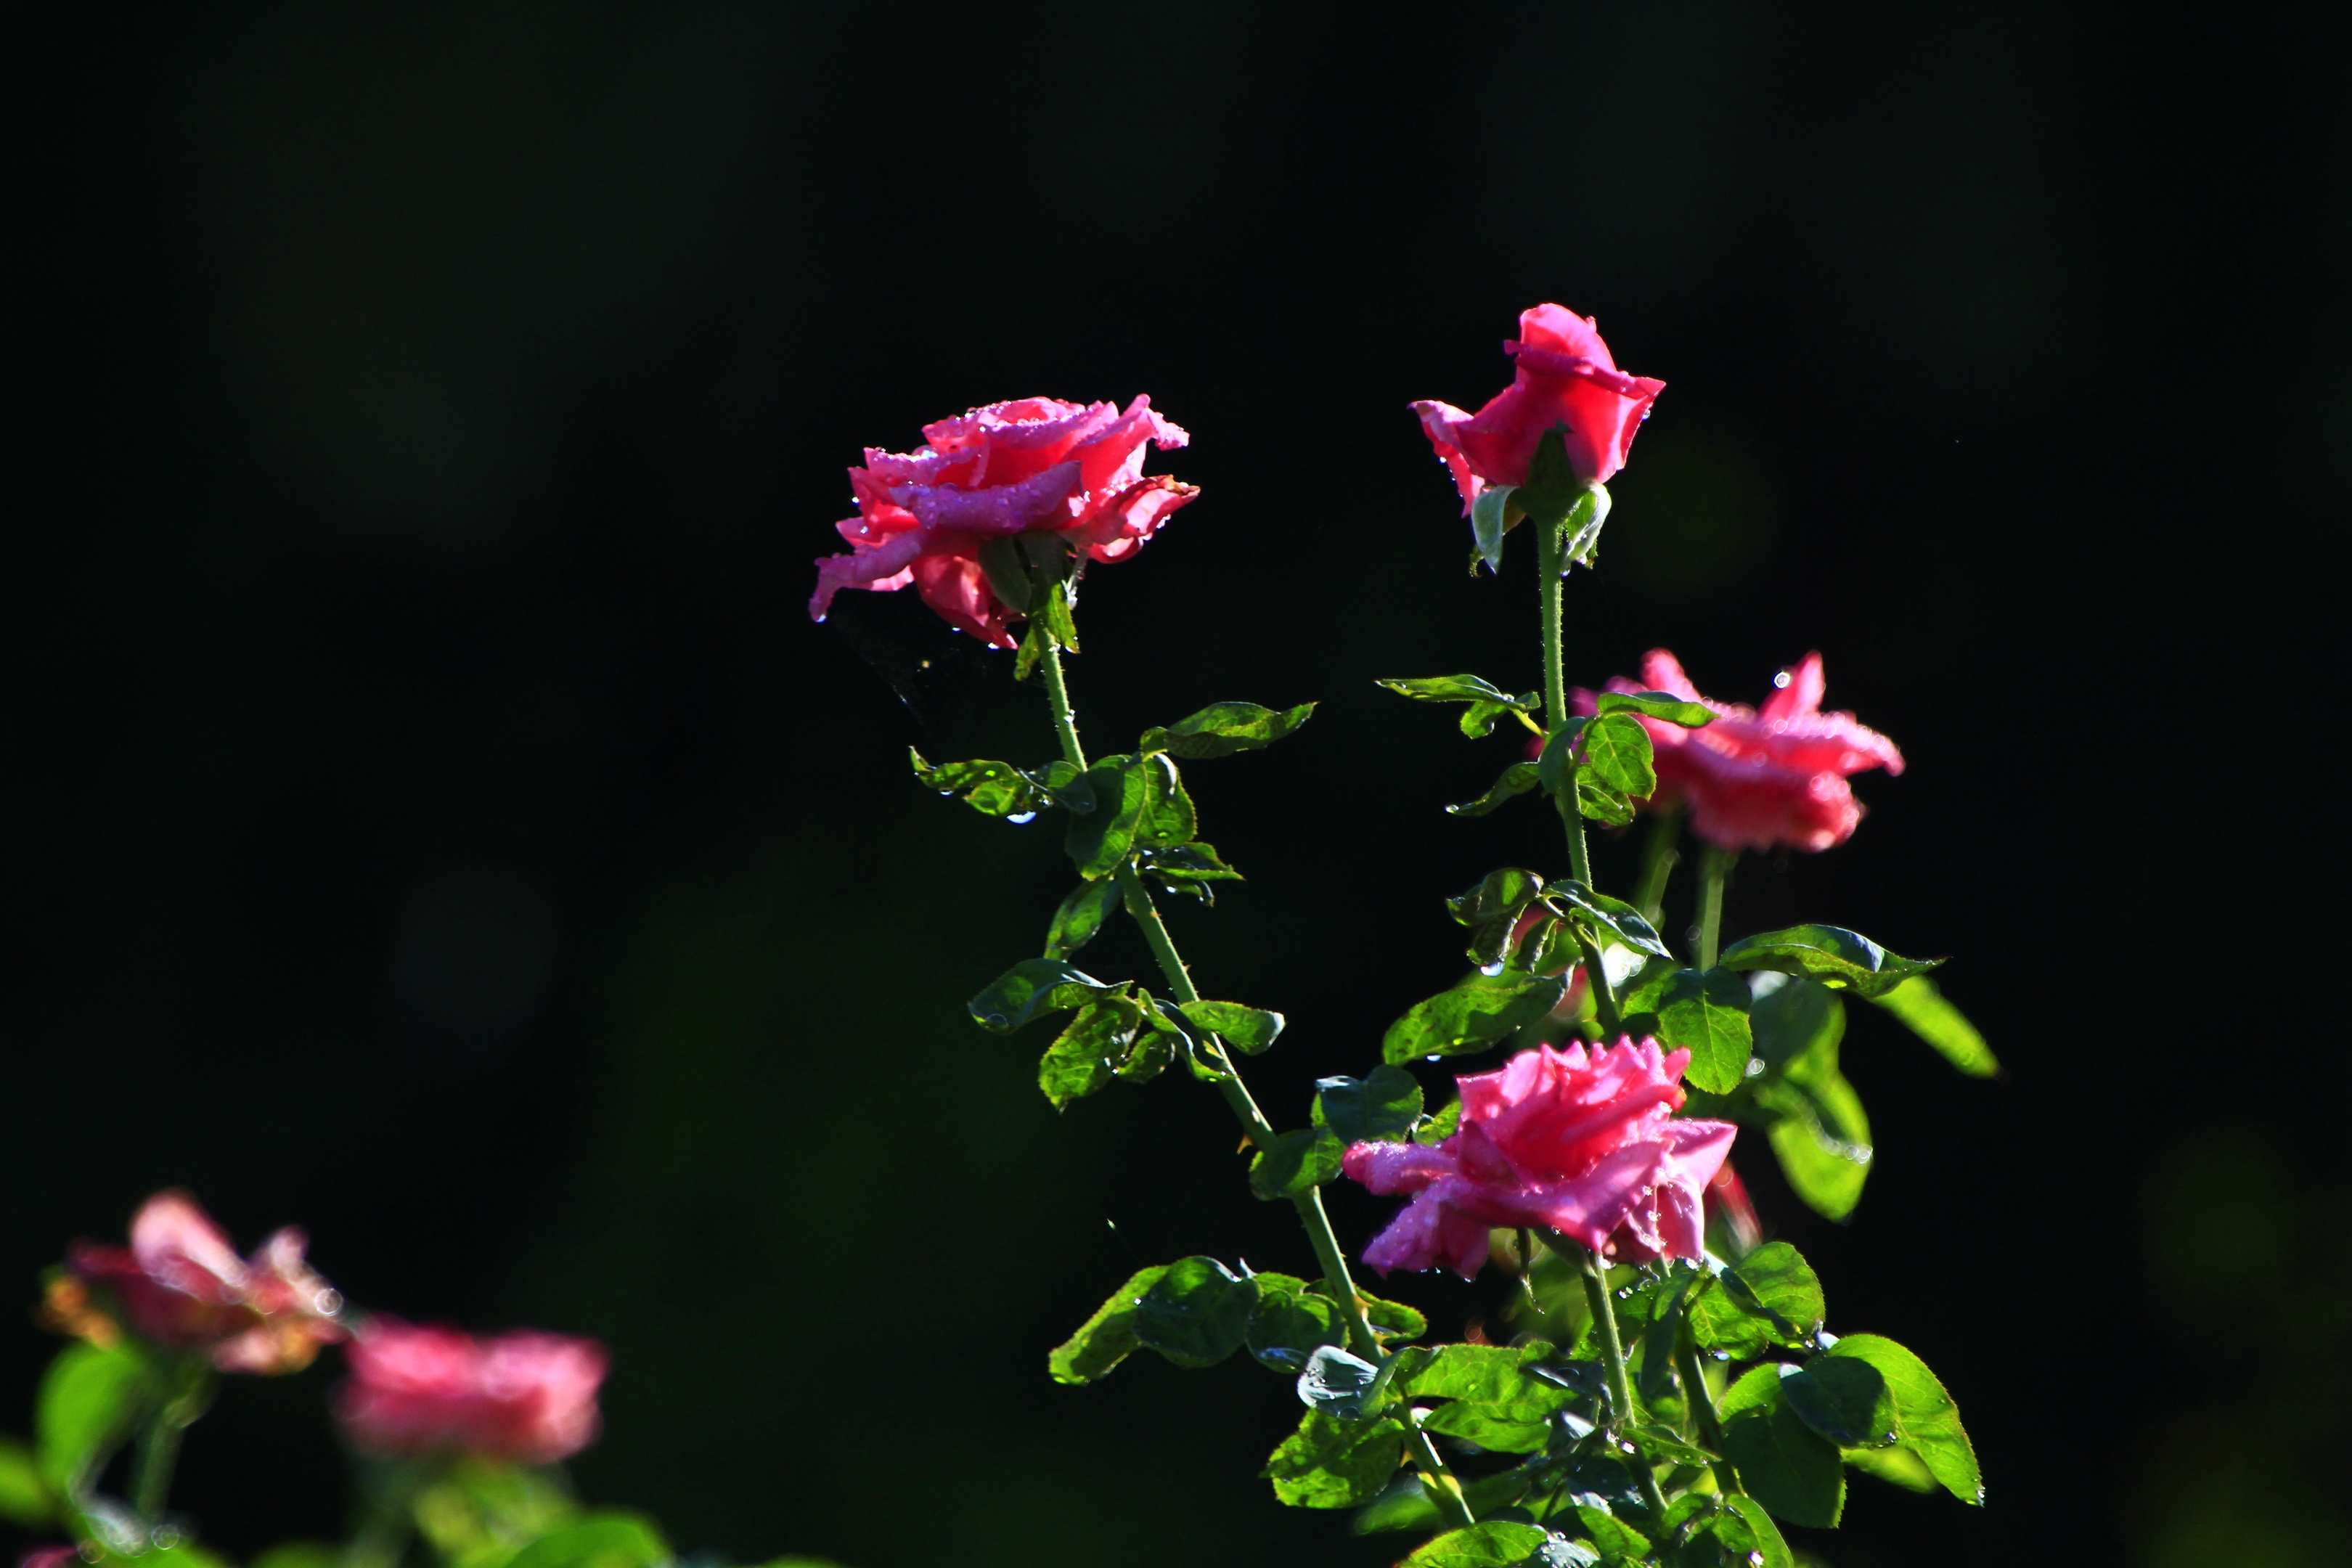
(1063,479)
(1583,1144)
(1564,379)
(526,1397)
(181,1286)
(1760,778)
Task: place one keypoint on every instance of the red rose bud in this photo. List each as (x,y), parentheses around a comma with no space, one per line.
(1038,466)
(1583,1144)
(1564,379)
(1760,778)
(527,1396)
(180,1285)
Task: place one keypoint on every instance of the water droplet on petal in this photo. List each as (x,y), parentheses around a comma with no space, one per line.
(1781,681)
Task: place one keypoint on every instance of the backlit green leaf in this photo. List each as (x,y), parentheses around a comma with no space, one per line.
(1034,986)
(1196,1313)
(1610,920)
(89,1399)
(1603,804)
(1333,1463)
(1927,1013)
(1297,1162)
(1491,515)
(996,789)
(1222,728)
(1662,705)
(1555,765)
(1498,1543)
(1782,1462)
(607,1538)
(1617,750)
(1896,1467)
(1086,1056)
(1081,916)
(1517,780)
(1845,1399)
(1099,841)
(1381,1107)
(1106,1339)
(1836,957)
(1289,1321)
(1248,1030)
(1926,1421)
(23,1500)
(1708,1014)
(1168,818)
(1481,1010)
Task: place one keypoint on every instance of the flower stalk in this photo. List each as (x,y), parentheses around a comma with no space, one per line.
(1714,870)
(1595,1272)
(1325,1242)
(1708,1429)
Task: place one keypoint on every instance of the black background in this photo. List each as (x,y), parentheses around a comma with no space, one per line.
(435,820)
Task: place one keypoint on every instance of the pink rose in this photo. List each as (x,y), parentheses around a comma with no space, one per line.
(1037,464)
(1760,778)
(1564,377)
(526,1396)
(1584,1145)
(181,1286)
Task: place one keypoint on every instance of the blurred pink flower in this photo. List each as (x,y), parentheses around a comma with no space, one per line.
(1760,778)
(1728,1205)
(180,1285)
(1564,376)
(1035,465)
(526,1396)
(50,1557)
(1587,1146)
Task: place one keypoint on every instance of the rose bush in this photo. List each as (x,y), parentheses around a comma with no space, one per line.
(1583,1143)
(1035,466)
(180,1285)
(1564,377)
(527,1396)
(1760,778)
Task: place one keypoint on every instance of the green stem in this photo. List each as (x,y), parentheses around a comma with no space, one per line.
(1702,1406)
(1714,868)
(1612,1357)
(1238,1098)
(1604,995)
(1435,1478)
(383,1535)
(1548,567)
(159,1453)
(1659,858)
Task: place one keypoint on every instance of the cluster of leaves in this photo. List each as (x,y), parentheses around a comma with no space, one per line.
(1132,825)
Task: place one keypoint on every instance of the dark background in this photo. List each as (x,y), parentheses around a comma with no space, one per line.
(435,820)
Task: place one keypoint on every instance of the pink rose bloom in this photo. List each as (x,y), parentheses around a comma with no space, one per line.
(182,1287)
(1564,377)
(526,1396)
(1760,778)
(1037,464)
(1585,1145)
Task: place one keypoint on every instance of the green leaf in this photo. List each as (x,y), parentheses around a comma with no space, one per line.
(1099,841)
(1186,864)
(24,1499)
(1501,1428)
(1052,613)
(1458,689)
(1783,1463)
(1843,1398)
(1437,1129)
(1613,1535)
(1581,531)
(1896,1467)
(1290,1322)
(1340,1383)
(1297,1162)
(1720,1531)
(1392,1320)
(1106,1339)
(1491,1376)
(996,789)
(1608,919)
(1662,1303)
(1331,1463)
(1770,1296)
(1081,916)
(1794,1020)
(1407,1506)
(1517,780)
(1083,1058)
(1025,569)
(1491,910)
(1926,1421)
(607,1538)
(1481,1010)
(1498,1543)
(1248,1030)
(1822,1169)
(1557,765)
(1926,1013)
(1034,642)
(1196,1313)
(89,1400)
(1380,1107)
(1603,804)
(301,1554)
(1169,819)
(1490,518)
(1224,728)
(1662,705)
(1765,1534)
(1836,957)
(1661,1445)
(1707,1014)
(1617,750)
(1034,986)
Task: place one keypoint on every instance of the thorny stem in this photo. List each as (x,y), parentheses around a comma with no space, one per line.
(1702,1406)
(1439,1481)
(1659,858)
(1714,867)
(1548,566)
(1612,1357)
